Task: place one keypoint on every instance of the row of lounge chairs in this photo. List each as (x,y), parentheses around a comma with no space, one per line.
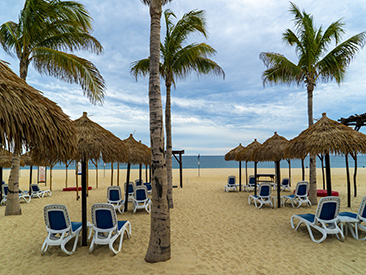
(232,186)
(24,195)
(105,226)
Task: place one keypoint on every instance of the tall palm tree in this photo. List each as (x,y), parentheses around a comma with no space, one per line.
(177,61)
(159,248)
(316,62)
(45,31)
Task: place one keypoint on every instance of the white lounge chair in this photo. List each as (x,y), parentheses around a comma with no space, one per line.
(300,197)
(251,184)
(22,195)
(355,221)
(263,197)
(106,227)
(59,228)
(38,192)
(131,190)
(285,184)
(141,201)
(148,187)
(325,219)
(115,198)
(231,184)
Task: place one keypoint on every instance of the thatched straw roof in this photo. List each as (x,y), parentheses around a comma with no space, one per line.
(95,142)
(138,153)
(246,154)
(28,118)
(231,155)
(327,136)
(5,158)
(272,149)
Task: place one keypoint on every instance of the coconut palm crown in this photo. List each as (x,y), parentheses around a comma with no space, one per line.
(45,31)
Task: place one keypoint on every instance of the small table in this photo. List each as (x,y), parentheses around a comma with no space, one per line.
(347,222)
(267,178)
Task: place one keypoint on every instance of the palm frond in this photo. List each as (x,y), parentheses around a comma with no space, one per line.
(72,69)
(8,37)
(140,68)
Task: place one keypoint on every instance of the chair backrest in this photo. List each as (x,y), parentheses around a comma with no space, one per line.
(264,189)
(138,182)
(141,193)
(5,189)
(302,188)
(362,210)
(35,187)
(131,187)
(251,180)
(148,185)
(231,180)
(328,209)
(114,193)
(285,181)
(104,216)
(56,217)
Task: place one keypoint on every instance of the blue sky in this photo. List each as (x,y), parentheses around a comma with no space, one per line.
(210,115)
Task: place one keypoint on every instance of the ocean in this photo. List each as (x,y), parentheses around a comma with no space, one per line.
(219,162)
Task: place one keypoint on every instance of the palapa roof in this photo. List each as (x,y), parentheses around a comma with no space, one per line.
(272,149)
(231,155)
(5,158)
(94,142)
(138,153)
(327,136)
(246,154)
(30,119)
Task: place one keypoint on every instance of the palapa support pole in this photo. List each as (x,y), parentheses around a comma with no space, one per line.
(96,173)
(289,171)
(348,183)
(327,170)
(181,172)
(140,173)
(303,169)
(30,179)
(1,183)
(118,173)
(354,174)
(87,178)
(255,176)
(77,180)
(83,204)
(278,178)
(126,185)
(111,173)
(239,175)
(146,173)
(246,173)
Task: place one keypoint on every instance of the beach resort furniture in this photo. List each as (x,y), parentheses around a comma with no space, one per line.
(138,182)
(355,221)
(141,201)
(148,187)
(131,190)
(38,192)
(263,197)
(106,227)
(22,195)
(114,195)
(300,196)
(325,219)
(285,184)
(251,184)
(231,184)
(59,228)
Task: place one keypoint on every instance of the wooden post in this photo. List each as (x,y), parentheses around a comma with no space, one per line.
(118,173)
(111,173)
(140,173)
(77,181)
(83,203)
(30,180)
(255,176)
(278,178)
(327,170)
(96,173)
(146,173)
(126,186)
(289,171)
(354,156)
(348,183)
(303,169)
(87,177)
(239,175)
(246,173)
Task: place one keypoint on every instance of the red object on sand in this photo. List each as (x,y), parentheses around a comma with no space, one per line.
(74,188)
(323,193)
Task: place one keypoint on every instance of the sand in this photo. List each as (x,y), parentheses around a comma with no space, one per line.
(212,232)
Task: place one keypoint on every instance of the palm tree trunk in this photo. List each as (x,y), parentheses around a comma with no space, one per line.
(159,248)
(313,187)
(12,202)
(169,146)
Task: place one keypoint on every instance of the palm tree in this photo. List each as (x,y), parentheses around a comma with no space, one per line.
(177,62)
(159,248)
(316,62)
(45,30)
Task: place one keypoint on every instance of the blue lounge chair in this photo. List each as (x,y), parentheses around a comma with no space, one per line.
(325,219)
(300,197)
(148,187)
(131,190)
(355,221)
(251,184)
(59,228)
(22,195)
(263,197)
(138,182)
(141,201)
(38,192)
(285,184)
(114,195)
(106,227)
(231,184)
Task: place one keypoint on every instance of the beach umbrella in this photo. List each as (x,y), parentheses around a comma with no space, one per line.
(273,149)
(231,155)
(138,153)
(246,155)
(327,137)
(29,120)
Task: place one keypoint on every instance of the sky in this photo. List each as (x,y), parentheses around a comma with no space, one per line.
(210,115)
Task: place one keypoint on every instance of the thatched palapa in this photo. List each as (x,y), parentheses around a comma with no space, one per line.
(231,155)
(246,154)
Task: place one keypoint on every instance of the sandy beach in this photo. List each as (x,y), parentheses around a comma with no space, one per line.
(212,232)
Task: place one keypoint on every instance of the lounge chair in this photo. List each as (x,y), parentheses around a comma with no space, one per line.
(148,187)
(114,195)
(325,219)
(138,182)
(38,192)
(251,184)
(106,227)
(285,184)
(59,228)
(22,195)
(131,190)
(141,201)
(231,184)
(355,221)
(300,197)
(263,197)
